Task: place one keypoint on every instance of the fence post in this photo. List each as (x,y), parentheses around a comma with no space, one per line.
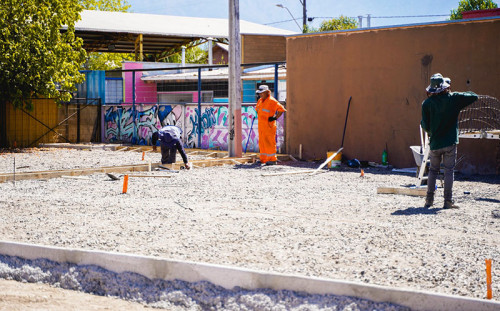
(276,81)
(78,121)
(3,122)
(199,107)
(99,118)
(134,132)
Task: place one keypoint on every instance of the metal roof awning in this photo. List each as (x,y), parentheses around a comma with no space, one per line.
(216,74)
(120,32)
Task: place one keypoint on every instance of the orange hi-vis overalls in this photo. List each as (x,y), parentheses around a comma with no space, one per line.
(267,130)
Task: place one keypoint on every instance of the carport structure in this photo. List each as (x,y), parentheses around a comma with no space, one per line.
(157,35)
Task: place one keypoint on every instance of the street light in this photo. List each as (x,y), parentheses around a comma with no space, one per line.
(284,7)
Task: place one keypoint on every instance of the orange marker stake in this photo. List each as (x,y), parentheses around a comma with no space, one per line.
(489,293)
(362,173)
(125,183)
(143,155)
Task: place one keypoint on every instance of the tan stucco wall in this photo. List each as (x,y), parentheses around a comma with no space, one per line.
(262,48)
(386,72)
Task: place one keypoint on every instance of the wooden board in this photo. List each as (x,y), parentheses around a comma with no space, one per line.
(421,192)
(290,173)
(119,169)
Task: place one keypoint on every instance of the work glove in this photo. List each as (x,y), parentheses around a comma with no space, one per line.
(271,119)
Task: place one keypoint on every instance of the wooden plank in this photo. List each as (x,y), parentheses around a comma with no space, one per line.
(151,176)
(327,160)
(75,172)
(421,192)
(290,173)
(75,177)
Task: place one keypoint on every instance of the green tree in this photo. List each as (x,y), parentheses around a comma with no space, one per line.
(106,61)
(343,22)
(194,55)
(472,5)
(106,5)
(37,59)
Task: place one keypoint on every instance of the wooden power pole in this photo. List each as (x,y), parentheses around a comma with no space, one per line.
(235,140)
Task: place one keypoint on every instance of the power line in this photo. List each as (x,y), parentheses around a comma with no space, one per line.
(285,21)
(400,16)
(331,17)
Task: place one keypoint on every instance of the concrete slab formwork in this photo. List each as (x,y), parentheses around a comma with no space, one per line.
(231,277)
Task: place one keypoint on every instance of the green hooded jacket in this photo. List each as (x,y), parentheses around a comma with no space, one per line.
(440,117)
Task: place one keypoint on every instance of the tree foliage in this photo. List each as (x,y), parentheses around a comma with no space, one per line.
(343,22)
(37,59)
(194,55)
(472,5)
(106,5)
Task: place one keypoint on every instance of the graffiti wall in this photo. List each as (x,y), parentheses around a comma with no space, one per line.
(205,130)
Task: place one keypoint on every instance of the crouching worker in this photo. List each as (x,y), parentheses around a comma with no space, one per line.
(170,142)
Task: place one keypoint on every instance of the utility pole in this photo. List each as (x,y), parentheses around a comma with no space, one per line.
(304,16)
(234,111)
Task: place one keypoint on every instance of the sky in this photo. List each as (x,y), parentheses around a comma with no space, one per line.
(266,11)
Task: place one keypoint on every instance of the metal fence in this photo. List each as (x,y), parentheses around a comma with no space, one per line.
(194,98)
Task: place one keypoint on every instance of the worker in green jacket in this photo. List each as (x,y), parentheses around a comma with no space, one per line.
(440,120)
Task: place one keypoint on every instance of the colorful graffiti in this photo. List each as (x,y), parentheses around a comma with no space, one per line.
(135,125)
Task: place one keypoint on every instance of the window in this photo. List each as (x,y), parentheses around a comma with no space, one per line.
(114,90)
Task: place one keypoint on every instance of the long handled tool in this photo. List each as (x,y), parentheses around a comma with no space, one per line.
(327,160)
(345,124)
(250,132)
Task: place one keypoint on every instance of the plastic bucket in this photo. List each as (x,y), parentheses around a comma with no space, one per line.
(336,161)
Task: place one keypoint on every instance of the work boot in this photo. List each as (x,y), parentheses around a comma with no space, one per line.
(429,200)
(448,204)
(271,163)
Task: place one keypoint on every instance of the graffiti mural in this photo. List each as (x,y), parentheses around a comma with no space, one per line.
(207,129)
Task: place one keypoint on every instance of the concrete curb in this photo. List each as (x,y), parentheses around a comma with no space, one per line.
(230,277)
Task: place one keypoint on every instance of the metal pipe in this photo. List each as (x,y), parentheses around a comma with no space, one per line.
(183,60)
(210,52)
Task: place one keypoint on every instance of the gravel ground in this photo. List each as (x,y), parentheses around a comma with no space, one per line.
(331,225)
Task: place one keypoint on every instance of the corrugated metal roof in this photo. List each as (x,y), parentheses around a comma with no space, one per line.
(165,25)
(117,32)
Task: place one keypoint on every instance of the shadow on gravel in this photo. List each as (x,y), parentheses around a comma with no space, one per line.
(488,200)
(416,211)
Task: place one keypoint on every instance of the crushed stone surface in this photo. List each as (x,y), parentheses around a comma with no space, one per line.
(332,225)
(174,295)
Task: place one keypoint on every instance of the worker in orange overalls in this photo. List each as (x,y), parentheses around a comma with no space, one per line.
(268,111)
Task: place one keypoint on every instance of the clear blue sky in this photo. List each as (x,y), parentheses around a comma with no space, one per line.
(266,11)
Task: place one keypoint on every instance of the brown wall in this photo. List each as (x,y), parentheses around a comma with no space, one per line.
(220,56)
(386,72)
(262,48)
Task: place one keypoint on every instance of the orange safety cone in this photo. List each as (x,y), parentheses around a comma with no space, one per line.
(143,153)
(489,293)
(125,183)
(362,173)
